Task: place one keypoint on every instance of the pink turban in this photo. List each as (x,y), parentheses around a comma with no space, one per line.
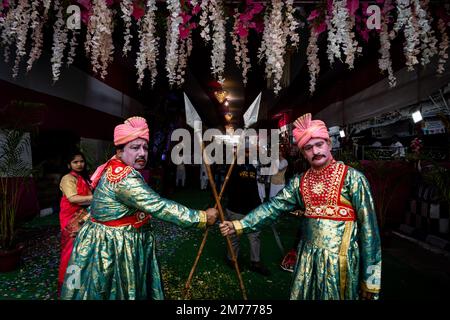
(133,128)
(307,129)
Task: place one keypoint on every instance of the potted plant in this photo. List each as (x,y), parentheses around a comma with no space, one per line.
(14,177)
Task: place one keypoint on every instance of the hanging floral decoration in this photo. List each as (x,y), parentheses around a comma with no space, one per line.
(406,21)
(243,22)
(7,35)
(59,40)
(126,7)
(22,25)
(385,62)
(17,24)
(147,55)
(317,23)
(99,42)
(341,38)
(212,21)
(279,25)
(39,15)
(428,40)
(173,32)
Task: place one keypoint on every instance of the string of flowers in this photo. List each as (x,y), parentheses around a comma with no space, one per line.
(212,21)
(443,46)
(274,41)
(8,35)
(313,60)
(406,19)
(184,51)
(385,62)
(59,41)
(37,23)
(240,48)
(99,42)
(173,32)
(273,44)
(205,33)
(426,33)
(340,34)
(20,29)
(72,46)
(317,22)
(148,45)
(291,24)
(126,6)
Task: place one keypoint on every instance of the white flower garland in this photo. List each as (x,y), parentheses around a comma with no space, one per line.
(273,45)
(126,6)
(426,33)
(218,40)
(212,14)
(406,19)
(59,40)
(385,63)
(173,33)
(8,34)
(72,46)
(443,46)
(20,28)
(340,34)
(291,24)
(313,60)
(205,33)
(240,49)
(99,43)
(184,50)
(148,45)
(37,25)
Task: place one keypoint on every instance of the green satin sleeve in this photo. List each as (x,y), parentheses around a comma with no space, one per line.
(134,192)
(368,237)
(286,200)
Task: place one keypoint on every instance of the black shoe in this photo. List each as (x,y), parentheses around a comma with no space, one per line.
(260,268)
(230,264)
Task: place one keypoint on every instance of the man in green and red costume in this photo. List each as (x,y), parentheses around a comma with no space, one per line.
(339,254)
(114,253)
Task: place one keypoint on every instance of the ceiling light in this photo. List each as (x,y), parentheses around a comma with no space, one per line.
(221,95)
(417,116)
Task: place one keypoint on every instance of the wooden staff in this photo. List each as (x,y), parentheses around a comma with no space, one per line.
(194,120)
(205,235)
(222,219)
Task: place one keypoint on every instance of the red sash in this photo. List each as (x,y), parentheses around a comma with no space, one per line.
(136,221)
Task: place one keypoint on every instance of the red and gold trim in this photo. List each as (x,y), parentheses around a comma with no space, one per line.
(117,170)
(330,212)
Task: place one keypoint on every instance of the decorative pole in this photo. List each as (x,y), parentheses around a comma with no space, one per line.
(250,118)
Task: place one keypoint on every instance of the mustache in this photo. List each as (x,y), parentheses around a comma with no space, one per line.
(318,156)
(139,159)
